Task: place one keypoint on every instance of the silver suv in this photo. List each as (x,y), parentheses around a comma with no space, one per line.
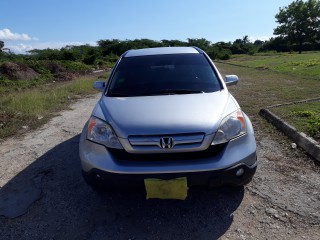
(166,113)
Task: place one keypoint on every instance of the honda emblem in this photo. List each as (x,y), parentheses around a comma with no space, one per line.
(166,142)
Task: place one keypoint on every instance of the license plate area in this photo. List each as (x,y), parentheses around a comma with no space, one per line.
(166,189)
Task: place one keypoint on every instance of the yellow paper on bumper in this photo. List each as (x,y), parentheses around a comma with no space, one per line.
(167,189)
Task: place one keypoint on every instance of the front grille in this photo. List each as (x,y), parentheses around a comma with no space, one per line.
(122,155)
(177,141)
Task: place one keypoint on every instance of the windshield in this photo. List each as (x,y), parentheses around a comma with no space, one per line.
(163,75)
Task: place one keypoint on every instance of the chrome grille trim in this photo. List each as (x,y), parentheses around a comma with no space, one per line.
(191,143)
(184,139)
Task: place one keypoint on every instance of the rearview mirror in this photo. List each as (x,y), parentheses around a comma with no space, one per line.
(231,80)
(99,85)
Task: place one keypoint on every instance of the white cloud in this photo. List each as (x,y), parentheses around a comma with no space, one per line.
(54,45)
(262,38)
(6,34)
(15,42)
(21,48)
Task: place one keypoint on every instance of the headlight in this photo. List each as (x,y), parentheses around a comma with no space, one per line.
(100,132)
(231,126)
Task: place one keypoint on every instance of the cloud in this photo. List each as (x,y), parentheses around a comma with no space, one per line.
(21,48)
(6,34)
(55,45)
(16,42)
(262,38)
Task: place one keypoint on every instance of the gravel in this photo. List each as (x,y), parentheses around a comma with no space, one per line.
(43,196)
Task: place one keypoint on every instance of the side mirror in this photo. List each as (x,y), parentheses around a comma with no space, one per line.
(99,85)
(231,80)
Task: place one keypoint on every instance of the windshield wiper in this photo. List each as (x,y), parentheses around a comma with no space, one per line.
(171,92)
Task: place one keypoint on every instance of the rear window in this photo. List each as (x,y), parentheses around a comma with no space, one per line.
(163,74)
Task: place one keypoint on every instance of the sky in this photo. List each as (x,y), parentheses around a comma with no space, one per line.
(39,24)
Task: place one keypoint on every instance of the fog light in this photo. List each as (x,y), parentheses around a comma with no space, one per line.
(240,172)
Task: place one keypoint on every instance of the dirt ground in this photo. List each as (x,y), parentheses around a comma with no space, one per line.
(43,196)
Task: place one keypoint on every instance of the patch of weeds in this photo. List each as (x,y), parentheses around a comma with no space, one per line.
(76,67)
(39,67)
(312,120)
(303,113)
(308,63)
(313,126)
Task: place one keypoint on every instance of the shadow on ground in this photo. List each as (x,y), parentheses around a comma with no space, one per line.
(49,200)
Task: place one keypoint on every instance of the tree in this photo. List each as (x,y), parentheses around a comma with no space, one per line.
(202,43)
(299,22)
(258,42)
(172,43)
(1,45)
(238,41)
(245,39)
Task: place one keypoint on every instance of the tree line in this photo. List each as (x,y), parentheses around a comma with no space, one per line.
(108,51)
(298,30)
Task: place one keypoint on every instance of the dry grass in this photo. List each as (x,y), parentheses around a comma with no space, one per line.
(31,108)
(261,88)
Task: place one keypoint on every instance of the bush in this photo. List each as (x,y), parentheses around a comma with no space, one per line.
(111,58)
(76,67)
(104,64)
(89,60)
(40,67)
(217,52)
(224,54)
(3,78)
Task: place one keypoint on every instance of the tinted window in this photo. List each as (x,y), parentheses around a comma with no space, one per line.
(163,74)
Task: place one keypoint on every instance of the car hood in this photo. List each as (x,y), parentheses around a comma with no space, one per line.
(166,114)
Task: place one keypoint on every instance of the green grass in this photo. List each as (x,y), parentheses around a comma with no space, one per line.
(305,117)
(7,85)
(257,89)
(305,65)
(33,107)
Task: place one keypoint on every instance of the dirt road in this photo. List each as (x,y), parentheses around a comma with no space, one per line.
(43,196)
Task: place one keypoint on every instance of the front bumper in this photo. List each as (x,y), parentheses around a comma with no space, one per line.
(209,178)
(99,162)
